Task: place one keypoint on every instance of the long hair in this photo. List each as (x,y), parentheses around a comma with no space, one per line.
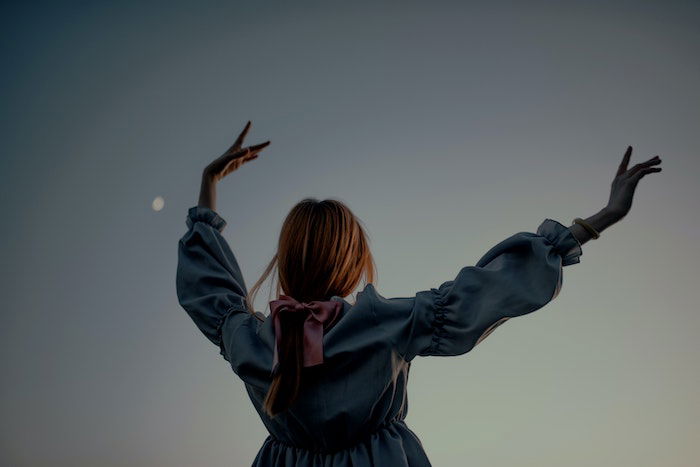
(323,251)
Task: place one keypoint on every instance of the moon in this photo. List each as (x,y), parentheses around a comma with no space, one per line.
(158,203)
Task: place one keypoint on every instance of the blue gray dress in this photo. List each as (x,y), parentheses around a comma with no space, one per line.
(352,407)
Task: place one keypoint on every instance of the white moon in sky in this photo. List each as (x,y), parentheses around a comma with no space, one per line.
(158,203)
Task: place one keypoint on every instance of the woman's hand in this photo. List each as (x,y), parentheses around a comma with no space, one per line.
(231,160)
(625,183)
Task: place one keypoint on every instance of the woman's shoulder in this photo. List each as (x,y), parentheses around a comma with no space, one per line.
(381,304)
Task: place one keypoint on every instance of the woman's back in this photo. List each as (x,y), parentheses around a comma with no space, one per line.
(351,408)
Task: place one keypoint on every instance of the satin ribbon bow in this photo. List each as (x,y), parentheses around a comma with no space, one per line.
(322,315)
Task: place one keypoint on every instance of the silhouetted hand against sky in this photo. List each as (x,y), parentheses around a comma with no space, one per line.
(228,162)
(625,183)
(234,157)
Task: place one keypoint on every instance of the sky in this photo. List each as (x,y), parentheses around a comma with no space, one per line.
(445,126)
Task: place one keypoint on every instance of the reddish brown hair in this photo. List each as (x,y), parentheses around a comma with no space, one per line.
(323,251)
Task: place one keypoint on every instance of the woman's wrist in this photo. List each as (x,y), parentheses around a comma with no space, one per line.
(207,191)
(599,221)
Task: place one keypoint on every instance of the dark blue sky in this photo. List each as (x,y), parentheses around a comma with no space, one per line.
(445,126)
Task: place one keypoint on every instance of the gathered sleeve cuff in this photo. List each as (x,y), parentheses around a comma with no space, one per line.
(206,215)
(562,240)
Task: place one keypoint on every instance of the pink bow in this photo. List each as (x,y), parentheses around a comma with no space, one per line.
(320,312)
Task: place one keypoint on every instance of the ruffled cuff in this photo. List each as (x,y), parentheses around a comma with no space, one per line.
(438,323)
(564,242)
(206,215)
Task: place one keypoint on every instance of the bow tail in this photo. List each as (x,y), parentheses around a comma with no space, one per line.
(313,342)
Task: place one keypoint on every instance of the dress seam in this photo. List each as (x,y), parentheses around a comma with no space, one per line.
(219,326)
(271,438)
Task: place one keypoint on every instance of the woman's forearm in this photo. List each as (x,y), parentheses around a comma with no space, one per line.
(599,221)
(207,192)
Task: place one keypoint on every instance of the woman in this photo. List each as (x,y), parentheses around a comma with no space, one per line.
(328,377)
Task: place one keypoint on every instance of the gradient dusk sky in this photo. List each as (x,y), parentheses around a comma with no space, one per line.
(446,126)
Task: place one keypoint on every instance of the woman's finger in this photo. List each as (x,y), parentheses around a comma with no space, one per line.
(258,147)
(642,165)
(247,152)
(235,154)
(625,160)
(652,161)
(250,155)
(239,140)
(642,172)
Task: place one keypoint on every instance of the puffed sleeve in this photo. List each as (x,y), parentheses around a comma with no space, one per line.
(210,286)
(515,277)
